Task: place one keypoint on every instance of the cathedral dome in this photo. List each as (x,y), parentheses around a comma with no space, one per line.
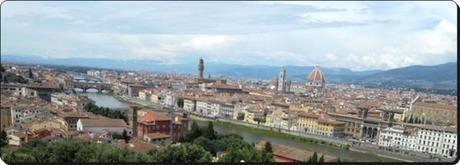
(316,76)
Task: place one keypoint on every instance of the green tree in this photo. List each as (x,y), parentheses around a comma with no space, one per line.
(321,159)
(125,136)
(3,139)
(268,147)
(194,132)
(240,116)
(185,152)
(210,133)
(313,158)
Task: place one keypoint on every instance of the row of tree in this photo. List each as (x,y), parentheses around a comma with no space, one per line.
(198,145)
(232,147)
(107,112)
(70,150)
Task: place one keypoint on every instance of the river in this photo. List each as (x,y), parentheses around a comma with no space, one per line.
(106,100)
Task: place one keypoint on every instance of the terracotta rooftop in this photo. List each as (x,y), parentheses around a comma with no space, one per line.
(103,122)
(150,117)
(327,121)
(436,106)
(293,153)
(434,127)
(308,115)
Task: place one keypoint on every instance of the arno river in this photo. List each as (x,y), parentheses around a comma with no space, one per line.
(106,100)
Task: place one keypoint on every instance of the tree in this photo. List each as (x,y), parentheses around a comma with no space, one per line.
(240,116)
(1,73)
(31,75)
(268,147)
(181,153)
(194,132)
(125,136)
(180,103)
(338,160)
(210,133)
(321,159)
(313,158)
(3,139)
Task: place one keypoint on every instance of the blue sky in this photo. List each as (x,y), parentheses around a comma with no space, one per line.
(351,34)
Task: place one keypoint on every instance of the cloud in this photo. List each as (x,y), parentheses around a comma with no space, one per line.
(352,34)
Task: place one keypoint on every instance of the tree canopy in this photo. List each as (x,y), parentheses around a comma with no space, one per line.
(107,112)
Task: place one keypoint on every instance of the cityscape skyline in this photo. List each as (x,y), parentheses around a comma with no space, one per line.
(240,81)
(258,34)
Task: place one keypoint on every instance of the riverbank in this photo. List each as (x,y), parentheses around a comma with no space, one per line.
(253,136)
(265,132)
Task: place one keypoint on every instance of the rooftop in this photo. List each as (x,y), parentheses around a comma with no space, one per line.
(103,122)
(436,106)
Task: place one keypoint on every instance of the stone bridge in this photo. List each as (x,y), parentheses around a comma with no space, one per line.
(99,86)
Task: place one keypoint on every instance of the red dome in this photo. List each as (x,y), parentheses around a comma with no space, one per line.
(316,75)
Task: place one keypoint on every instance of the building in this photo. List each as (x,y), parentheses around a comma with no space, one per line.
(18,90)
(226,110)
(207,108)
(158,126)
(224,88)
(307,122)
(103,124)
(201,69)
(18,138)
(439,140)
(314,124)
(278,119)
(315,83)
(94,73)
(189,104)
(254,115)
(398,137)
(54,123)
(62,99)
(331,128)
(288,86)
(281,85)
(133,90)
(201,78)
(433,113)
(283,153)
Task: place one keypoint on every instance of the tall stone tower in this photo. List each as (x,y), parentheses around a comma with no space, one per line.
(201,68)
(282,80)
(132,118)
(288,86)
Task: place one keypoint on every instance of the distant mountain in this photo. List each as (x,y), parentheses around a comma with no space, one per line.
(443,76)
(297,73)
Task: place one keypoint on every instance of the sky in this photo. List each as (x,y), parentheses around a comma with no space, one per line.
(350,34)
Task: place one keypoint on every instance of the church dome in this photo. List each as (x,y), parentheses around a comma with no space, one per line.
(316,76)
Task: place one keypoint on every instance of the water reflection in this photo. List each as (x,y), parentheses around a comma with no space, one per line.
(252,137)
(105,100)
